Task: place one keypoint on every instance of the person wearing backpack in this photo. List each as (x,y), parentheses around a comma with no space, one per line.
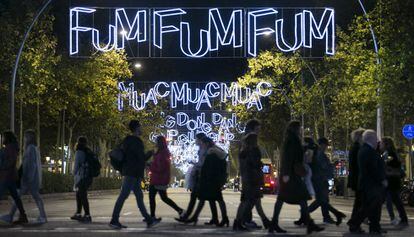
(82,180)
(134,163)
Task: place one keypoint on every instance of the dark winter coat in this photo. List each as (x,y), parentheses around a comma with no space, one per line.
(393,171)
(8,172)
(135,158)
(213,175)
(251,174)
(322,170)
(371,171)
(294,191)
(353,167)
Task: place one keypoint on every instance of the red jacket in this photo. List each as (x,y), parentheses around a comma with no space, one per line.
(160,168)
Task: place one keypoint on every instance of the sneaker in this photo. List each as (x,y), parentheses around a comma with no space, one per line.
(76,217)
(86,219)
(395,221)
(7,218)
(41,220)
(116,225)
(152,222)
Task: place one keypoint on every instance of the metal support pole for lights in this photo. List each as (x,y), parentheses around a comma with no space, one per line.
(16,65)
(380,127)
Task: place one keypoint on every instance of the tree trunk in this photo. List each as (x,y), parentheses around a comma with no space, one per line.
(103,151)
(63,137)
(315,123)
(70,157)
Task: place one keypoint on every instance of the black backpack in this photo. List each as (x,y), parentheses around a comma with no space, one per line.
(94,166)
(117,157)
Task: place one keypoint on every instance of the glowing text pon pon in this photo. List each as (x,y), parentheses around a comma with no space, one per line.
(178,32)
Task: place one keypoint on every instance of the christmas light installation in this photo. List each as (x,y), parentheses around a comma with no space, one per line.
(223,28)
(180,94)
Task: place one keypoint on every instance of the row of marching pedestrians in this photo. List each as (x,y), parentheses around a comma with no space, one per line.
(305,169)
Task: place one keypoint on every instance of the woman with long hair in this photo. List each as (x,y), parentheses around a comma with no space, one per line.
(252,182)
(393,174)
(82,180)
(292,187)
(31,180)
(212,178)
(8,174)
(160,176)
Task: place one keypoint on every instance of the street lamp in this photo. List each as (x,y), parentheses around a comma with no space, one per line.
(137,65)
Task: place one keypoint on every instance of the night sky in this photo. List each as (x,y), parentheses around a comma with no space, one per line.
(185,69)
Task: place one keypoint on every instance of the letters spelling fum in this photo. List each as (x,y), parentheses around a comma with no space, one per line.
(220,32)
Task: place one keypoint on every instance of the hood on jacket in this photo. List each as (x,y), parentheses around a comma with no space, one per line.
(220,153)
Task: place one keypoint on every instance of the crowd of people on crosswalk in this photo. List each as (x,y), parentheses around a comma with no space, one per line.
(375,175)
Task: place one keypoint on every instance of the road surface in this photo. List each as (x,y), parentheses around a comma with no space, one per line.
(60,207)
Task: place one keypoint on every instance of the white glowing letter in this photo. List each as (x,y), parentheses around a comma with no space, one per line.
(254,100)
(324,29)
(220,34)
(185,41)
(74,27)
(268,88)
(178,94)
(159,28)
(253,31)
(280,40)
(125,30)
(157,90)
(215,86)
(203,99)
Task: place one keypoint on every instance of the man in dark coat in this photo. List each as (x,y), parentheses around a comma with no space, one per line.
(356,137)
(133,173)
(372,183)
(322,171)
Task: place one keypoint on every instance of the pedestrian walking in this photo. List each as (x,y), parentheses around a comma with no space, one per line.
(31,180)
(132,170)
(393,175)
(353,177)
(252,126)
(252,181)
(160,177)
(8,174)
(213,176)
(292,187)
(371,183)
(310,150)
(322,170)
(82,180)
(193,179)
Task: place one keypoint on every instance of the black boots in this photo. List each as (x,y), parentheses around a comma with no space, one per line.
(274,226)
(312,227)
(238,226)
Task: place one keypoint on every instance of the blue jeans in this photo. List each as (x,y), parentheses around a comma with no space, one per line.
(36,197)
(130,184)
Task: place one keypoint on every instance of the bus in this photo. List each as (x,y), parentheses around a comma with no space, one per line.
(269,178)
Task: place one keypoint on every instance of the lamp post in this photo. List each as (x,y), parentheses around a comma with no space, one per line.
(16,65)
(380,126)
